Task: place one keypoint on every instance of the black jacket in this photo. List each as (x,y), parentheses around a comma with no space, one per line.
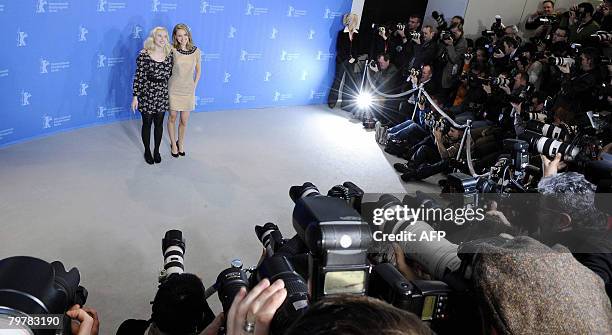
(345,48)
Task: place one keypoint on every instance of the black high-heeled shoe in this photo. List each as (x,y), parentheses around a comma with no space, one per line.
(157,158)
(175,155)
(148,158)
(180,153)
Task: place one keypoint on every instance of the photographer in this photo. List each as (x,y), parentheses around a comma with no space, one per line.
(402,42)
(543,21)
(497,103)
(581,23)
(504,56)
(453,48)
(353,315)
(602,15)
(410,131)
(526,62)
(179,308)
(578,84)
(386,80)
(425,48)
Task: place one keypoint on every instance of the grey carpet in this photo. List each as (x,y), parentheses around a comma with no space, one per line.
(87,197)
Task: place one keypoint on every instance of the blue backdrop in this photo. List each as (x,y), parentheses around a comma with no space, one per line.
(70,63)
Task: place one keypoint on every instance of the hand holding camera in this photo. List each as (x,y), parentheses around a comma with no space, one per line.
(373,66)
(253,312)
(499,53)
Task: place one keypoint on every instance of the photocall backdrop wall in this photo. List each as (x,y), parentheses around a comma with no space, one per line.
(70,63)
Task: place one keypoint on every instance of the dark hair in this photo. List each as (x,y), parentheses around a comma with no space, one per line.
(524,76)
(356,315)
(461,19)
(384,55)
(457,26)
(415,17)
(592,54)
(588,7)
(179,306)
(552,2)
(510,41)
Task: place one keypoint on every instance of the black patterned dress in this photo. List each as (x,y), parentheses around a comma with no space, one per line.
(151,83)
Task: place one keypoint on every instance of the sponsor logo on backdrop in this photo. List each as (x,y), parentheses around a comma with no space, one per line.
(162,7)
(292,12)
(104,61)
(204,100)
(106,6)
(83,34)
(50,122)
(311,34)
(46,66)
(287,56)
(21,36)
(247,56)
(316,95)
(324,55)
(240,99)
(330,14)
(305,75)
(43,65)
(232,32)
(208,8)
(210,57)
(267,76)
(4,73)
(278,96)
(137,32)
(226,77)
(83,89)
(274,33)
(6,132)
(42,6)
(25,98)
(104,112)
(252,10)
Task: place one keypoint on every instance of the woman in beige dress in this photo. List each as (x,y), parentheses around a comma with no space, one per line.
(185,76)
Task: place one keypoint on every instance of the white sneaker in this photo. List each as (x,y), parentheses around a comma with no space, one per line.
(378,131)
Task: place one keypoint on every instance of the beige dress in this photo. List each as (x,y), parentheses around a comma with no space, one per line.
(181,85)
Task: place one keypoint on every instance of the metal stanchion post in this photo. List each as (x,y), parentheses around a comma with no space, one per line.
(416,103)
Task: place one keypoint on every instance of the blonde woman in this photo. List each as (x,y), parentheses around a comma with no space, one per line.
(185,76)
(347,47)
(150,90)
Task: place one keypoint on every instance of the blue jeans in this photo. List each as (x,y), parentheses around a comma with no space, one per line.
(407,131)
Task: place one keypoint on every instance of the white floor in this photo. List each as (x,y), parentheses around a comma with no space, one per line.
(87,197)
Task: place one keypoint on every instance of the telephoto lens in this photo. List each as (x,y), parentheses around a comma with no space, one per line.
(548,130)
(173,249)
(550,147)
(602,36)
(308,189)
(270,236)
(296,303)
(561,61)
(499,81)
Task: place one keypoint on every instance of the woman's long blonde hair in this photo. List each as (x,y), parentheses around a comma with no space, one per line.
(350,20)
(175,42)
(149,43)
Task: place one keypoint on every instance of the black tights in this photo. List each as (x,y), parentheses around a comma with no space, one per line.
(147,120)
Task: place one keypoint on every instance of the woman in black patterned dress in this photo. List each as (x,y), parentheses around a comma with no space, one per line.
(150,90)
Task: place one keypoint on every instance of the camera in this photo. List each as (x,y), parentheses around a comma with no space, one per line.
(498,27)
(439,17)
(468,56)
(519,152)
(337,239)
(561,61)
(488,34)
(415,35)
(547,20)
(446,35)
(500,81)
(173,251)
(400,26)
(550,147)
(414,72)
(30,286)
(602,36)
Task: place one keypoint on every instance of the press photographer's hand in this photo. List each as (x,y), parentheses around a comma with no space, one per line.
(84,321)
(252,313)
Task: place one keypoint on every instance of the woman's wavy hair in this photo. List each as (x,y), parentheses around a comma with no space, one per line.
(149,43)
(175,42)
